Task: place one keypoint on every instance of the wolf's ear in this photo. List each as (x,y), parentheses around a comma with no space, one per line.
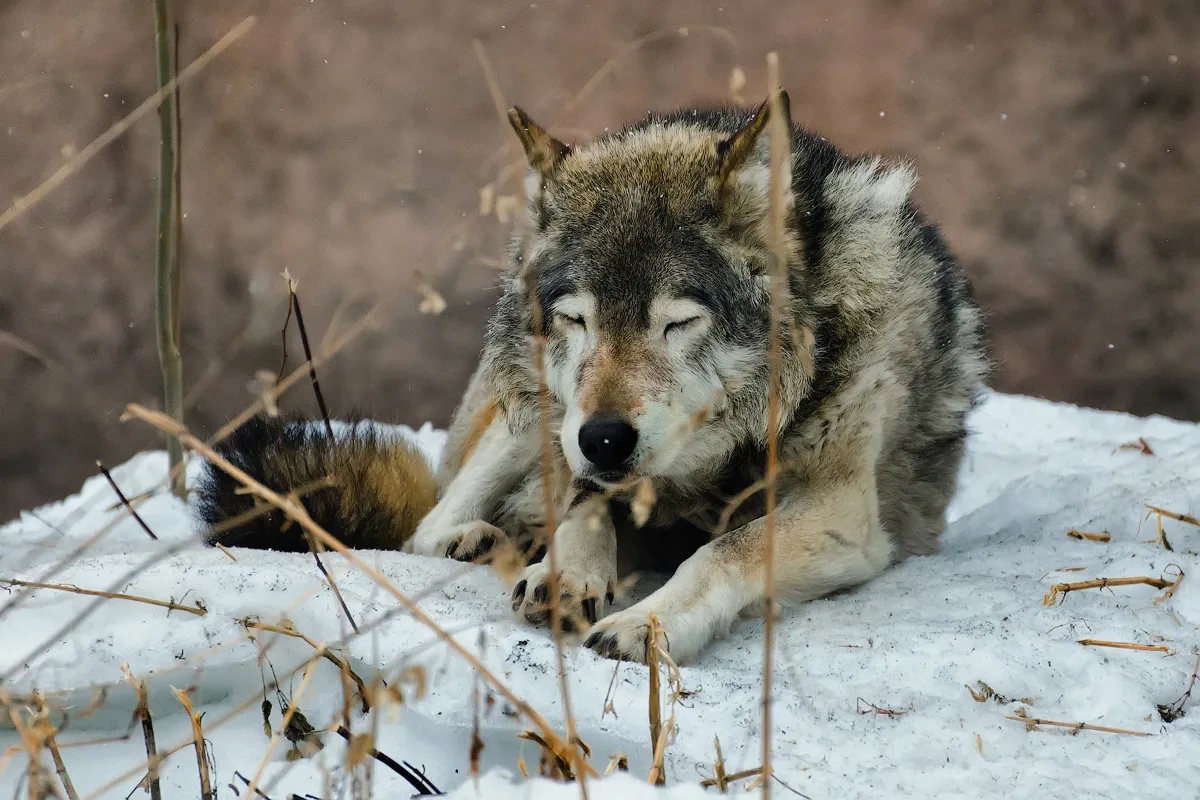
(735,155)
(542,150)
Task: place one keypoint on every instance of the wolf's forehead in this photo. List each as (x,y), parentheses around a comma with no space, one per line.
(673,163)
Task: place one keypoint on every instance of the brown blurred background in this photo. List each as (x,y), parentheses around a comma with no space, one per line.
(348,141)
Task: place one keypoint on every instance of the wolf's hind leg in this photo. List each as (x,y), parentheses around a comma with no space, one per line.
(826,539)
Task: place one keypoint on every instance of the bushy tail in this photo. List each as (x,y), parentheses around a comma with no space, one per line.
(366,486)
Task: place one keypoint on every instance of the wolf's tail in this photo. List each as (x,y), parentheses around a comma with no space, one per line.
(366,486)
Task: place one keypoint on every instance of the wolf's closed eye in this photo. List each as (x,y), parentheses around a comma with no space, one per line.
(571,321)
(680,325)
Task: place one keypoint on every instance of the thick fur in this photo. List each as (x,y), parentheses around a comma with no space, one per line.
(646,263)
(648,252)
(381,486)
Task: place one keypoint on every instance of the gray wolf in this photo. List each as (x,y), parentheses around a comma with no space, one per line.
(645,264)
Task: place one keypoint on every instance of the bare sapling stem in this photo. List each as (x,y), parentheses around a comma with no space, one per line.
(166,261)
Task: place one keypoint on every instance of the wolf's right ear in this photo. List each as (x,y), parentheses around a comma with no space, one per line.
(734,153)
(542,150)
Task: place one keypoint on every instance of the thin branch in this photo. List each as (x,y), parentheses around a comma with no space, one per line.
(167,604)
(1188,518)
(421,784)
(125,501)
(312,369)
(1060,590)
(1153,648)
(142,712)
(1033,722)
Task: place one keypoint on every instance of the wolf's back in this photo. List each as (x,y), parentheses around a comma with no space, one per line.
(366,486)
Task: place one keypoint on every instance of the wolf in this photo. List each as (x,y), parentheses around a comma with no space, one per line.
(629,388)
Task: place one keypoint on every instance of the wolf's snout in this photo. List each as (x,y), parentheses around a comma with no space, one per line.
(607,442)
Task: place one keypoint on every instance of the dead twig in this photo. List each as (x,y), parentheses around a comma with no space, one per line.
(656,771)
(125,501)
(202,756)
(1060,590)
(170,605)
(142,713)
(1153,648)
(1189,519)
(415,779)
(1032,723)
(1102,536)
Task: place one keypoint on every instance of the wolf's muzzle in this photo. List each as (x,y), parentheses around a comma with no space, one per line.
(607,442)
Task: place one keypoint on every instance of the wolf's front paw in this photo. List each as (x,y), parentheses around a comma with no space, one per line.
(583,598)
(471,541)
(625,636)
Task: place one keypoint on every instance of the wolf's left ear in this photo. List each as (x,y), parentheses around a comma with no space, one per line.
(542,150)
(736,159)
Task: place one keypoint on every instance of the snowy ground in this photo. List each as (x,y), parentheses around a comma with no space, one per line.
(911,641)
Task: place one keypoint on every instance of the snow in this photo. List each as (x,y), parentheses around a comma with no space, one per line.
(912,641)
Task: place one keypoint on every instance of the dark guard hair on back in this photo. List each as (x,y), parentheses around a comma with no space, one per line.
(381,486)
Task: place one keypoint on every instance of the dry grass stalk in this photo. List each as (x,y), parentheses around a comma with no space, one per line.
(1102,536)
(142,713)
(76,161)
(1172,712)
(1189,519)
(659,654)
(300,515)
(720,777)
(1152,648)
(322,651)
(48,733)
(1060,590)
(529,276)
(732,778)
(32,741)
(655,690)
(170,605)
(202,758)
(778,122)
(125,501)
(1032,723)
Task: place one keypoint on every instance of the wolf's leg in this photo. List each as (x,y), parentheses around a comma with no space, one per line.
(827,537)
(456,526)
(585,551)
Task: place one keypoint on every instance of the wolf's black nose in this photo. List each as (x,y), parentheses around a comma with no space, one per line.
(607,441)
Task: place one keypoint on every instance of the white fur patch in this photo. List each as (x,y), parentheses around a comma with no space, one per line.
(870,188)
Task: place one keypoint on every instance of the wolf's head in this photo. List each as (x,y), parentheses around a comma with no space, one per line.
(650,252)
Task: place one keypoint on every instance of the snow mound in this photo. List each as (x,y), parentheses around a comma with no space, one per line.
(911,642)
